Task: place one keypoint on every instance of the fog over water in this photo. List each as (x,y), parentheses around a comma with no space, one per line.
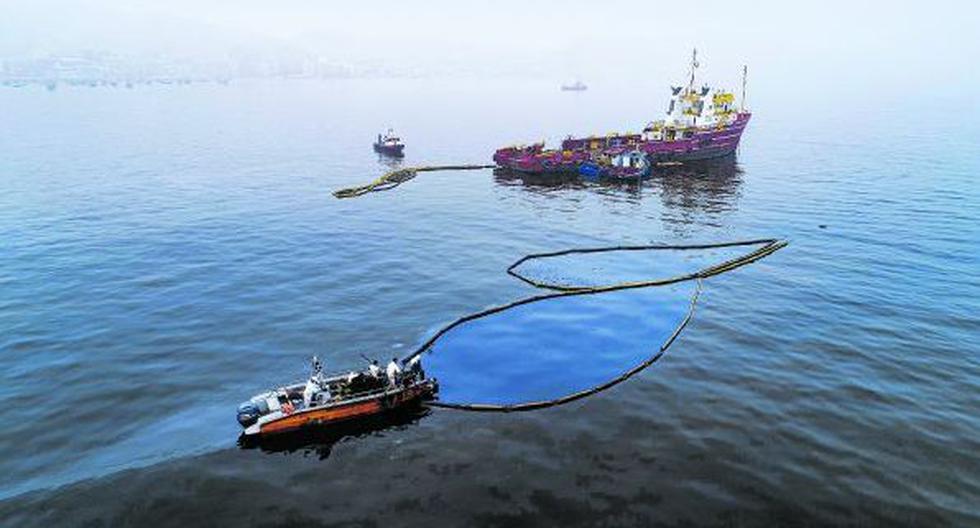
(884,47)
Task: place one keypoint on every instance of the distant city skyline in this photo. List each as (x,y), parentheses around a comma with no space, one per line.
(830,44)
(100,65)
(103,66)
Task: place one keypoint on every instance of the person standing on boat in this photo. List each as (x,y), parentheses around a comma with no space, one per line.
(374,369)
(315,384)
(393,372)
(415,367)
(316,368)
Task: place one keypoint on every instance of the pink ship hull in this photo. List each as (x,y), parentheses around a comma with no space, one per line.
(703,144)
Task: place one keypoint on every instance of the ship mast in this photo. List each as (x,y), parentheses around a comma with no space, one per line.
(694,66)
(745,73)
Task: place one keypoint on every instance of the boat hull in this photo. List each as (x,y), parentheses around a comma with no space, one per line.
(345,411)
(706,143)
(696,155)
(390,150)
(322,439)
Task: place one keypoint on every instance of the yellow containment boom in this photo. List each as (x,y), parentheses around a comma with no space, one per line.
(397,177)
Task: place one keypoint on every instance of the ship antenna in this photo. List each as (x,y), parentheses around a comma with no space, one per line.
(745,73)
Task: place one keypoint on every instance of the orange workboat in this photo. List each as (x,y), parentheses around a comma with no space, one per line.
(327,400)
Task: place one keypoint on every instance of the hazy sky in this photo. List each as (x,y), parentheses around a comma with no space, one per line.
(831,41)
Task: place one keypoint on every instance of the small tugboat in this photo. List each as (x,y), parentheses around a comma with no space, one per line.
(389,144)
(617,164)
(577,86)
(327,400)
(701,123)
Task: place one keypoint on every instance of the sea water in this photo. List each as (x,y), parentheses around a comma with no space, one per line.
(168,251)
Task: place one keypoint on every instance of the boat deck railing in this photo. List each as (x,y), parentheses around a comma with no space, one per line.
(384,390)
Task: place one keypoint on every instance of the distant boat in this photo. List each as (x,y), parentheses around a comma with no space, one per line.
(389,144)
(577,86)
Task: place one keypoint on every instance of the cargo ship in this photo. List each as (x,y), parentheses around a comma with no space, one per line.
(701,123)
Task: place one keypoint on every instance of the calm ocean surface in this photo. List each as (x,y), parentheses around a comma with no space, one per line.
(166,252)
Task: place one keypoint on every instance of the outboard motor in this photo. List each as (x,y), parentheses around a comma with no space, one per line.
(250,411)
(248,414)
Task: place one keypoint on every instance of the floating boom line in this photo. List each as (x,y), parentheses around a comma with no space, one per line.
(769,246)
(392,179)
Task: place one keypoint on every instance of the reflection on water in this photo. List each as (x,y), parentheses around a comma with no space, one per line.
(390,162)
(185,259)
(321,440)
(537,183)
(699,189)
